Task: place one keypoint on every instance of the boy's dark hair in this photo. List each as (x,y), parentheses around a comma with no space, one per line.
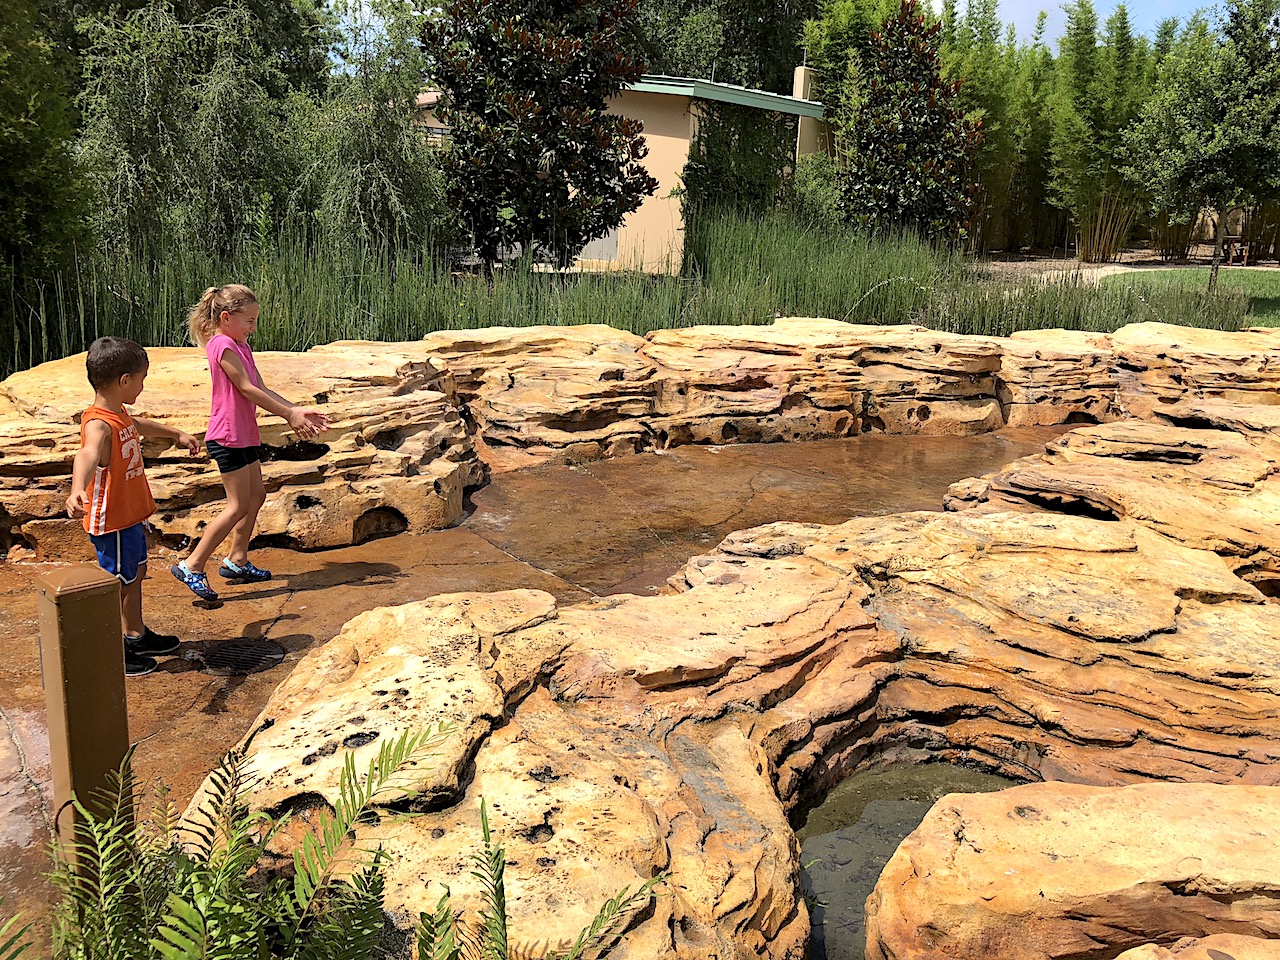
(110,358)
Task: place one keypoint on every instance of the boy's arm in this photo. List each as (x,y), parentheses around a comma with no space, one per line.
(94,453)
(305,422)
(150,428)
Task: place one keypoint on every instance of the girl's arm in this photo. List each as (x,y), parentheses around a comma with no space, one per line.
(96,452)
(149,428)
(305,422)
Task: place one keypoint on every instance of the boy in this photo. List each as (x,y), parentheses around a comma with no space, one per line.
(109,486)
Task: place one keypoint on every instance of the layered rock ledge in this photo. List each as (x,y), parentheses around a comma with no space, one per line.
(412,417)
(1099,618)
(630,735)
(398,456)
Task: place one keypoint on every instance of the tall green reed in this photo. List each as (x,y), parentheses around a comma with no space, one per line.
(739,270)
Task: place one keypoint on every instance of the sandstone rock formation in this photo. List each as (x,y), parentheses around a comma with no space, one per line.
(1220,946)
(629,735)
(1057,870)
(411,416)
(397,457)
(1099,615)
(1211,489)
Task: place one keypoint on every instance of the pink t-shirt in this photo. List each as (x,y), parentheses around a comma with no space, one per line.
(233,417)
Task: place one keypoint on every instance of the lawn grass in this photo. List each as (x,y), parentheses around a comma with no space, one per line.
(1261,286)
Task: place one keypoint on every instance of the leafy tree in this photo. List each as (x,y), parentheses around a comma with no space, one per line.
(754,43)
(535,157)
(296,33)
(986,63)
(912,148)
(1210,135)
(839,45)
(181,149)
(366,176)
(41,199)
(841,38)
(1033,219)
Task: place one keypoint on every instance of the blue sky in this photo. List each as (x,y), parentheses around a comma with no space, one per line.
(1144,14)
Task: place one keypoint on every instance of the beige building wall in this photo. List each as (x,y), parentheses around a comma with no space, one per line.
(811,133)
(652,238)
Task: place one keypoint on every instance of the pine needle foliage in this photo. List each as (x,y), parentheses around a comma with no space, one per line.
(443,936)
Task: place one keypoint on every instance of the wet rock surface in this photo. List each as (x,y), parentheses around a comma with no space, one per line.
(571,532)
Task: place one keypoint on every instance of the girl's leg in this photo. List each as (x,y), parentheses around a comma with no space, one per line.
(243,531)
(239,487)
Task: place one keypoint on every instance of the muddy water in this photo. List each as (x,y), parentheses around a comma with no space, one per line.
(625,525)
(846,841)
(616,526)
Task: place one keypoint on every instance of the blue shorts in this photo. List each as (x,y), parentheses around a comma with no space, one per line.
(122,552)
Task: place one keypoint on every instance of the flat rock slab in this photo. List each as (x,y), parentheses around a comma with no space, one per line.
(1213,489)
(1061,870)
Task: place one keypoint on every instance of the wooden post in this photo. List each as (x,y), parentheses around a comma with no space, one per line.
(82,670)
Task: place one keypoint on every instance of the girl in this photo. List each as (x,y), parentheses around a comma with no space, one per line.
(222,323)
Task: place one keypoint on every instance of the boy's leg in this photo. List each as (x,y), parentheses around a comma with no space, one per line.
(123,554)
(131,605)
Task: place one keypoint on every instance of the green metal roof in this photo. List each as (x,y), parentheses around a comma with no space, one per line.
(727,93)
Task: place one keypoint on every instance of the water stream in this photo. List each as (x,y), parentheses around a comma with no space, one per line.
(846,841)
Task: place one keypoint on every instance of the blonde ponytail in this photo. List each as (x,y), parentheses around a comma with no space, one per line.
(202,321)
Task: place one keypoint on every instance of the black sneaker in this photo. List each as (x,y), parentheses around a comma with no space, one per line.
(137,665)
(151,642)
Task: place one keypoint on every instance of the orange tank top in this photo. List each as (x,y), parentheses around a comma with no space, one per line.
(119,495)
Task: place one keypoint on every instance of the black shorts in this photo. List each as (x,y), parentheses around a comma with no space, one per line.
(231,459)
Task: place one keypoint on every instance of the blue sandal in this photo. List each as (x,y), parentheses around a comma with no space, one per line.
(244,572)
(197,582)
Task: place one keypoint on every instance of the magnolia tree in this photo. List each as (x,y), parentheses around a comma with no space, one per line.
(535,158)
(911,146)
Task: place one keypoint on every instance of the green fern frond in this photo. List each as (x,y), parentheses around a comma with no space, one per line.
(438,933)
(491,866)
(349,924)
(317,858)
(183,934)
(12,942)
(600,937)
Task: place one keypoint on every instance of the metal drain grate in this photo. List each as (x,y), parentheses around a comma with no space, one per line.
(235,658)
